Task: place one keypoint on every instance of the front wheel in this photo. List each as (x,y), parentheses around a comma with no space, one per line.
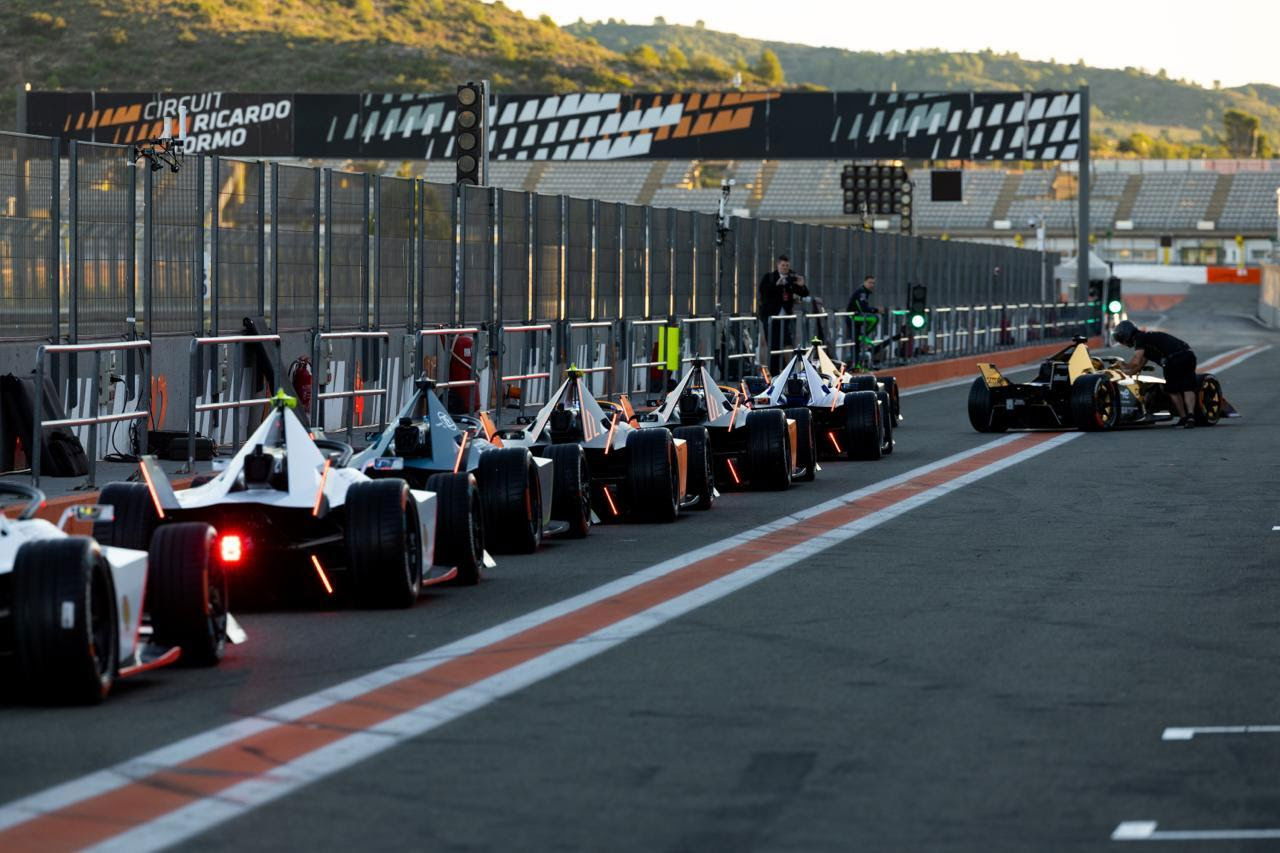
(701,479)
(1093,402)
(653,474)
(1208,400)
(66,630)
(187,592)
(383,550)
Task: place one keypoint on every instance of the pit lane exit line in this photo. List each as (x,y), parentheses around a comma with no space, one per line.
(1189,732)
(1145,830)
(176,792)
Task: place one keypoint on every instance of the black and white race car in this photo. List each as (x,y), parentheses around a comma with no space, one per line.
(77,613)
(848,420)
(523,496)
(764,449)
(293,516)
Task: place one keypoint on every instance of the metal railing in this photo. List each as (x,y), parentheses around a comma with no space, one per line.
(39,425)
(235,403)
(354,395)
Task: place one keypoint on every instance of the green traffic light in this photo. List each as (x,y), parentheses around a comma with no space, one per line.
(1115,306)
(917,321)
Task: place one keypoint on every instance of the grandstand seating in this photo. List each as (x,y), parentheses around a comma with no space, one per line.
(1252,200)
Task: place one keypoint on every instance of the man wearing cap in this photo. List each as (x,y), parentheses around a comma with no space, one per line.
(1174,355)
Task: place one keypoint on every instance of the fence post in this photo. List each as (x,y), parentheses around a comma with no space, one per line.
(55,240)
(328,250)
(315,249)
(215,232)
(262,239)
(73,250)
(149,251)
(198,289)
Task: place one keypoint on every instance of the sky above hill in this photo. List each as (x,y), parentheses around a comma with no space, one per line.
(1231,41)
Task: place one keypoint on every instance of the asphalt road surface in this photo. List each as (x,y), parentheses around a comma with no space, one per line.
(977,643)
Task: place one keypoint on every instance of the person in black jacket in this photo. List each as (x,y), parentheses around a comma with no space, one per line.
(779,292)
(1174,355)
(865,325)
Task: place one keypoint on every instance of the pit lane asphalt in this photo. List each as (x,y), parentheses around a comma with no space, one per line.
(991,670)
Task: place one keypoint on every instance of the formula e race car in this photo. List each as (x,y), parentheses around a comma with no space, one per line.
(294,517)
(857,379)
(427,444)
(764,449)
(644,474)
(72,616)
(1077,389)
(856,423)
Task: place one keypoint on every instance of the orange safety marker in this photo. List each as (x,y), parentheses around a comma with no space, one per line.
(608,442)
(608,496)
(765,373)
(324,477)
(462,448)
(151,487)
(324,579)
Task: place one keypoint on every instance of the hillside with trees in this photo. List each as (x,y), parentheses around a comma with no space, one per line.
(1133,110)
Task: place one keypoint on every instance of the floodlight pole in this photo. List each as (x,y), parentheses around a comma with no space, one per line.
(1082,217)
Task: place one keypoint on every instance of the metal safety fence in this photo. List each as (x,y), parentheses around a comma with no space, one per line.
(94,247)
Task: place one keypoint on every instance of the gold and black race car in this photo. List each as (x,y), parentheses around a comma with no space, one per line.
(1075,389)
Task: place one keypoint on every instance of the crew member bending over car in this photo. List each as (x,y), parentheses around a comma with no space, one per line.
(1174,355)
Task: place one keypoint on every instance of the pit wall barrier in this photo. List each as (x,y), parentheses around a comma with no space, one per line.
(1269,297)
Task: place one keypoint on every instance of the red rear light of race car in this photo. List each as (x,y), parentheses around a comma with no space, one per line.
(231,548)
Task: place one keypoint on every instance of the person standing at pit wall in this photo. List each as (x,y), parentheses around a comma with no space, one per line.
(779,292)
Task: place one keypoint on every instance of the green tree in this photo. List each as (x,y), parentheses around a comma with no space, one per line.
(645,57)
(1240,132)
(769,69)
(676,60)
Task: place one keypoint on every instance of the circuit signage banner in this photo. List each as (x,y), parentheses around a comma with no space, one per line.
(589,125)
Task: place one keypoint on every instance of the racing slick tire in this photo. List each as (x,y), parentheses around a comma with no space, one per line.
(511,495)
(1094,404)
(860,382)
(984,416)
(653,474)
(864,427)
(806,444)
(1208,400)
(895,399)
(460,530)
(187,592)
(66,631)
(768,450)
(887,420)
(571,501)
(135,516)
(384,553)
(700,478)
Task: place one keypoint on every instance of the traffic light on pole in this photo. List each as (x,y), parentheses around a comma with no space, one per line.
(1115,302)
(471,133)
(918,308)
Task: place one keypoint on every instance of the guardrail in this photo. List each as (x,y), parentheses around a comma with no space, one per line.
(596,335)
(236,378)
(356,392)
(39,425)
(538,367)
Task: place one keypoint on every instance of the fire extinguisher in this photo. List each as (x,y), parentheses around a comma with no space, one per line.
(300,377)
(463,399)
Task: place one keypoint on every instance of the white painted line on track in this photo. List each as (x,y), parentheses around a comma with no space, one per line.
(283,778)
(1145,830)
(1189,732)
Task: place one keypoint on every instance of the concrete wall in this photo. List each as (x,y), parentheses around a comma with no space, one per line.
(1269,296)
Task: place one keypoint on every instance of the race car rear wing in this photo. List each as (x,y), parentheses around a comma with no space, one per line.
(993,377)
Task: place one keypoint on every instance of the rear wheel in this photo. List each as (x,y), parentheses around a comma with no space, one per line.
(571,500)
(135,516)
(864,427)
(653,474)
(66,629)
(1093,402)
(1209,400)
(984,416)
(859,382)
(806,444)
(886,420)
(701,479)
(511,495)
(383,548)
(768,450)
(187,592)
(460,531)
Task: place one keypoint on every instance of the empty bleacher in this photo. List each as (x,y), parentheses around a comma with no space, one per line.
(619,180)
(980,191)
(1251,201)
(803,188)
